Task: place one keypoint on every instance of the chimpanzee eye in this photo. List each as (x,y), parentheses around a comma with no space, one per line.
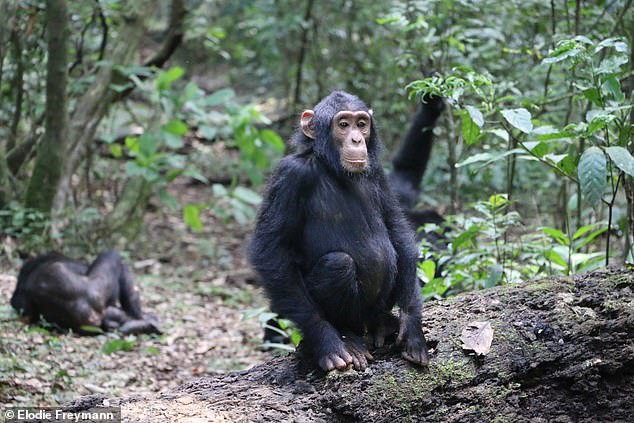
(361,124)
(343,124)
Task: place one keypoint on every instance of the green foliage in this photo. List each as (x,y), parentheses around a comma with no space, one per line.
(286,328)
(118,344)
(29,228)
(239,203)
(481,251)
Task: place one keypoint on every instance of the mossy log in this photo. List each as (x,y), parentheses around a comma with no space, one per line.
(562,351)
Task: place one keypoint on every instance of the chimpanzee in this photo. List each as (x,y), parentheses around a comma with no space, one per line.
(72,295)
(331,244)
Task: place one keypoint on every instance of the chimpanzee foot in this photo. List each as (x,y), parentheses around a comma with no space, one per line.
(386,327)
(357,348)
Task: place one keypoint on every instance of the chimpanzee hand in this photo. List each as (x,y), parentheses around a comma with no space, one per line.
(411,337)
(336,356)
(360,354)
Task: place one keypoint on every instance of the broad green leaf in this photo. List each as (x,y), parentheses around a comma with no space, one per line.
(557,235)
(115,345)
(116,150)
(480,157)
(612,65)
(519,118)
(611,87)
(132,144)
(489,158)
(599,121)
(191,216)
(470,131)
(584,229)
(540,149)
(498,200)
(500,133)
(208,132)
(428,270)
(564,50)
(219,97)
(565,135)
(622,159)
(247,195)
(557,259)
(165,79)
(219,190)
(592,171)
(272,139)
(590,237)
(476,115)
(593,95)
(466,236)
(168,199)
(176,127)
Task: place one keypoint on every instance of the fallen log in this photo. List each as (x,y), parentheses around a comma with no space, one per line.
(562,351)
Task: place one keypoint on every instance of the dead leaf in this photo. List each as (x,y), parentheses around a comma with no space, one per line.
(477,337)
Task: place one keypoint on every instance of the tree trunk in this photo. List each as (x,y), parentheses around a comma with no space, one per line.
(94,104)
(562,351)
(51,154)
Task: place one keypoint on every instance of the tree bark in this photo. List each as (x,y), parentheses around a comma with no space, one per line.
(51,155)
(94,104)
(562,351)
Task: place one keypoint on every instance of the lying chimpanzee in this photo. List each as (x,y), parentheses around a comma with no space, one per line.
(72,295)
(332,245)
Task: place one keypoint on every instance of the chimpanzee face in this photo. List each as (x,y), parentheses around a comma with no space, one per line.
(350,130)
(349,134)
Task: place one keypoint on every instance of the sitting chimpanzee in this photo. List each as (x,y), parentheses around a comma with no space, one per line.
(74,295)
(331,244)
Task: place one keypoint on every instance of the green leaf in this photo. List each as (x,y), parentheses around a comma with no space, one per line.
(557,235)
(557,259)
(219,97)
(191,216)
(564,50)
(599,121)
(115,345)
(176,127)
(428,270)
(622,159)
(470,131)
(592,171)
(611,87)
(476,115)
(116,150)
(208,132)
(466,236)
(165,79)
(246,195)
(132,144)
(272,139)
(593,95)
(168,199)
(91,329)
(519,118)
(584,229)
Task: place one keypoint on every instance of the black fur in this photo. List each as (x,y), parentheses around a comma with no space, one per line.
(333,249)
(72,294)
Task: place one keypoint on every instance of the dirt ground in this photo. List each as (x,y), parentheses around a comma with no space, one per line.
(198,284)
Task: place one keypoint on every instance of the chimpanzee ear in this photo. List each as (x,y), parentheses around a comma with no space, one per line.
(306,122)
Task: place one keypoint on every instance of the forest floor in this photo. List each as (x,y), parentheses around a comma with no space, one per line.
(200,286)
